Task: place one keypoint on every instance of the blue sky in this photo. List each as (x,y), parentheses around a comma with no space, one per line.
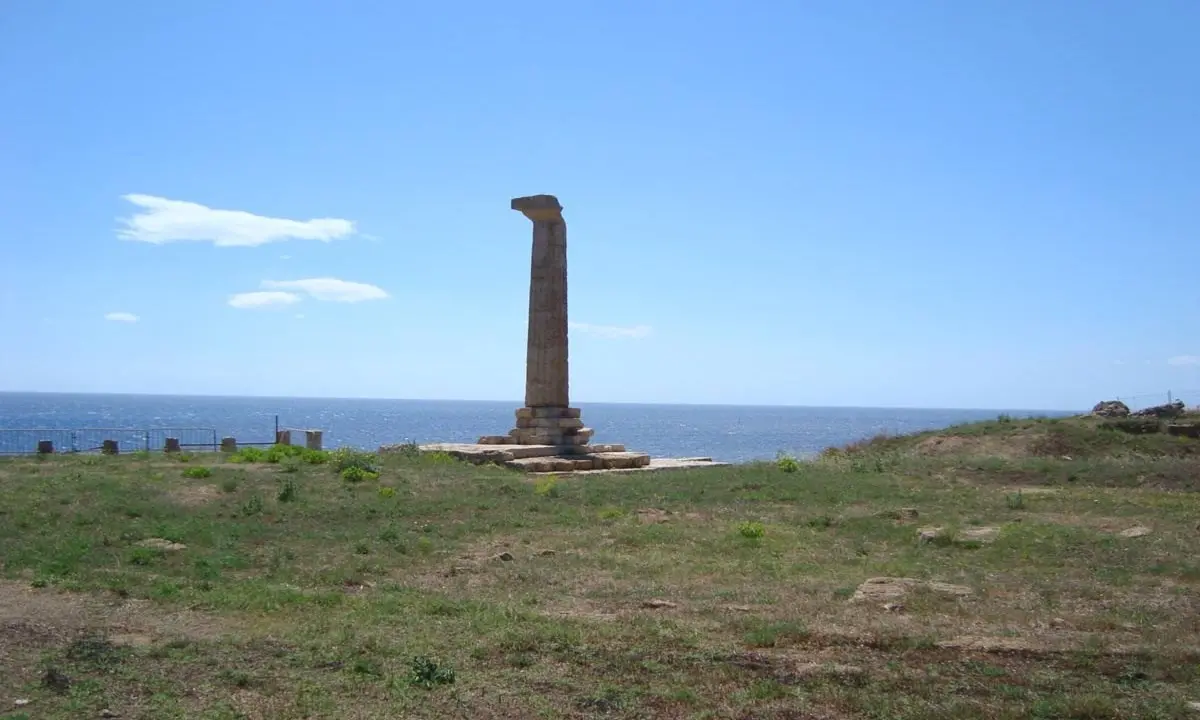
(829,202)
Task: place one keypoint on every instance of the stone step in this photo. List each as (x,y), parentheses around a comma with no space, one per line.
(590,461)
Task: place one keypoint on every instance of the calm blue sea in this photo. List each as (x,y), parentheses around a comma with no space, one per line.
(722,432)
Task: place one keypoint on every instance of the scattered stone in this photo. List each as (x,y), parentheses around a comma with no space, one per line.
(982,535)
(1111,408)
(658,604)
(1058,622)
(21,702)
(1170,410)
(1136,531)
(652,516)
(894,607)
(930,534)
(840,671)
(505,556)
(908,513)
(1191,430)
(545,553)
(888,588)
(1193,705)
(739,608)
(106,713)
(162,544)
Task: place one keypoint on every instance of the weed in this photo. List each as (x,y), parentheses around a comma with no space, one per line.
(355,474)
(362,548)
(1004,418)
(387,491)
(253,506)
(427,673)
(236,678)
(185,457)
(774,634)
(546,486)
(365,666)
(288,492)
(408,450)
(142,455)
(787,463)
(197,473)
(610,513)
(289,465)
(751,529)
(1015,501)
(229,485)
(389,534)
(144,555)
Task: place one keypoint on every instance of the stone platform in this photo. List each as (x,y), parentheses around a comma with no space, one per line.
(562,459)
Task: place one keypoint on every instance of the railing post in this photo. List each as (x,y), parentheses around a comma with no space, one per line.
(147,441)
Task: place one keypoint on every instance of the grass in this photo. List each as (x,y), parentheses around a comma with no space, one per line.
(436,588)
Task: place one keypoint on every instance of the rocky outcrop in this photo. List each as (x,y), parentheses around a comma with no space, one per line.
(1170,410)
(1111,408)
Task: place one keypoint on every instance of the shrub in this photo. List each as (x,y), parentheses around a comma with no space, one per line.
(546,486)
(751,530)
(197,473)
(408,450)
(787,463)
(345,458)
(289,492)
(1015,501)
(253,506)
(356,474)
(229,485)
(249,455)
(387,492)
(426,673)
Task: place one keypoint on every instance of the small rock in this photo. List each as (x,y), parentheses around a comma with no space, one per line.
(162,544)
(929,534)
(658,604)
(1111,408)
(739,608)
(1057,622)
(21,702)
(979,535)
(505,556)
(1193,705)
(893,607)
(1135,531)
(908,513)
(106,713)
(545,553)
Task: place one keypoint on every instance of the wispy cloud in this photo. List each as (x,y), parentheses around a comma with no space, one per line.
(264,299)
(612,332)
(121,317)
(1184,360)
(330,289)
(165,221)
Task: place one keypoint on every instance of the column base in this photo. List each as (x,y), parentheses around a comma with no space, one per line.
(559,426)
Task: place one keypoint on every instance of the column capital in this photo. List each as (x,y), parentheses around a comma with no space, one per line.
(538,207)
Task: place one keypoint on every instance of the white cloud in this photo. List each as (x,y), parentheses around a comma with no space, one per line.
(164,221)
(612,332)
(263,299)
(122,317)
(330,289)
(1184,360)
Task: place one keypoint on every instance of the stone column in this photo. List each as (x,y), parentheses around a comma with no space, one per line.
(546,375)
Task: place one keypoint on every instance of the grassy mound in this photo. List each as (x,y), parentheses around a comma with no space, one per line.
(1087,450)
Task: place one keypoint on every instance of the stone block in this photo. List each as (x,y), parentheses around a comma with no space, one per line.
(171,445)
(110,447)
(571,412)
(548,412)
(524,413)
(312,439)
(495,440)
(228,445)
(45,447)
(283,437)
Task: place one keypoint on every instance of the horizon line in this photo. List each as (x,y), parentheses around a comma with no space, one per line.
(520,403)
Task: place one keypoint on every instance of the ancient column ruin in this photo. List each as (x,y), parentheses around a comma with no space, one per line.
(547,420)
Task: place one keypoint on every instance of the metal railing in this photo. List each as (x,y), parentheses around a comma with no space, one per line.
(24,441)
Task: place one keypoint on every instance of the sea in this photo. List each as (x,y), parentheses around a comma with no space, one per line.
(728,433)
